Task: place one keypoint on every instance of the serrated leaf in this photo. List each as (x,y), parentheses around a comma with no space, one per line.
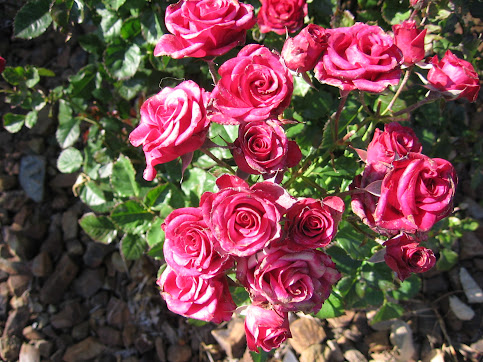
(156,196)
(110,24)
(122,59)
(99,228)
(151,27)
(70,160)
(155,234)
(332,307)
(82,84)
(132,217)
(301,87)
(60,12)
(68,130)
(92,195)
(123,178)
(396,11)
(32,19)
(13,122)
(132,246)
(387,311)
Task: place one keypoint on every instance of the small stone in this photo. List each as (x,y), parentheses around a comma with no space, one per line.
(232,339)
(312,353)
(41,265)
(335,353)
(306,331)
(471,246)
(461,310)
(18,284)
(118,262)
(64,180)
(143,344)
(353,355)
(32,175)
(109,336)
(159,346)
(474,209)
(53,290)
(10,348)
(44,347)
(69,224)
(74,247)
(16,322)
(95,253)
(72,314)
(87,349)
(435,285)
(342,321)
(7,182)
(117,312)
(401,337)
(30,333)
(29,353)
(24,248)
(472,290)
(179,353)
(478,346)
(89,282)
(80,331)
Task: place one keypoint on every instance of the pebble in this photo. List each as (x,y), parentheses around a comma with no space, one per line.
(306,331)
(89,282)
(29,353)
(16,322)
(32,175)
(41,265)
(353,355)
(471,246)
(461,310)
(53,290)
(472,290)
(179,353)
(87,349)
(69,224)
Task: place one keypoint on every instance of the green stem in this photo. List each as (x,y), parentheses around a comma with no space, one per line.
(212,69)
(399,90)
(336,118)
(430,98)
(219,162)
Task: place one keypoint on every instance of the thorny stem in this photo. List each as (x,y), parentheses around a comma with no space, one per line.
(212,69)
(399,90)
(343,100)
(364,105)
(219,162)
(430,98)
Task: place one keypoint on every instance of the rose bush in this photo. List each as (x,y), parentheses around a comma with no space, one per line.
(404,256)
(254,86)
(173,123)
(454,77)
(360,57)
(265,328)
(263,148)
(302,52)
(189,246)
(410,40)
(281,16)
(204,28)
(200,298)
(291,280)
(312,224)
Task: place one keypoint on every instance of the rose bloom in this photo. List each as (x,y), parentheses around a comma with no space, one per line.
(394,142)
(193,297)
(188,247)
(244,219)
(265,328)
(454,77)
(415,194)
(404,256)
(313,223)
(263,148)
(204,28)
(292,280)
(173,123)
(360,57)
(254,86)
(281,16)
(2,64)
(302,52)
(410,40)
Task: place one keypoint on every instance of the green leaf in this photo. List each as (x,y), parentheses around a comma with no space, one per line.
(122,59)
(155,234)
(110,24)
(240,296)
(99,228)
(32,19)
(132,217)
(68,130)
(396,11)
(92,195)
(332,307)
(28,76)
(13,122)
(31,119)
(130,28)
(151,27)
(132,246)
(60,12)
(301,87)
(447,259)
(387,311)
(114,4)
(70,160)
(197,182)
(260,356)
(352,242)
(82,84)
(408,289)
(344,262)
(123,178)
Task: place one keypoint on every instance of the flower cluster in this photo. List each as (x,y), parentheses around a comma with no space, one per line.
(403,193)
(270,236)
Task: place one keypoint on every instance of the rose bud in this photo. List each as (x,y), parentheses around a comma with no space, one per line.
(404,256)
(204,28)
(173,123)
(394,142)
(454,77)
(302,52)
(265,328)
(263,148)
(281,16)
(410,40)
(189,245)
(199,298)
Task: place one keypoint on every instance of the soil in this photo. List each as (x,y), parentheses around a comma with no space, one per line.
(64,297)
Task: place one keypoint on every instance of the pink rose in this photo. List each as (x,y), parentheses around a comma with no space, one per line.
(281,16)
(410,40)
(265,328)
(173,123)
(204,28)
(360,57)
(405,256)
(188,246)
(302,52)
(292,280)
(263,148)
(2,64)
(198,298)
(313,223)
(454,77)
(244,220)
(254,86)
(416,193)
(392,144)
